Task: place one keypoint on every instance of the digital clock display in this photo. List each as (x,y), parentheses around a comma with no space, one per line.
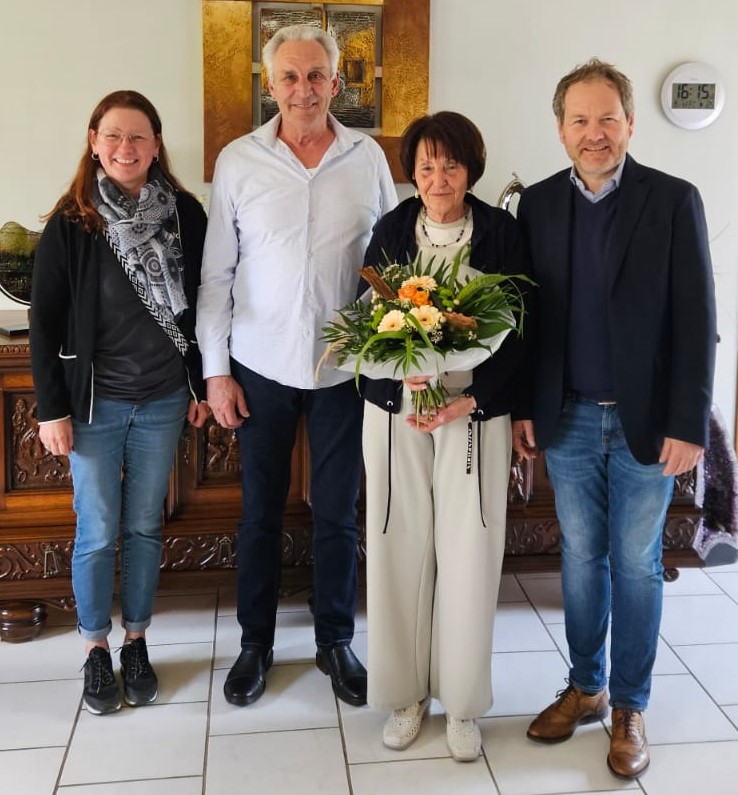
(693,96)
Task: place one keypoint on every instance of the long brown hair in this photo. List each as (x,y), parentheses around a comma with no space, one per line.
(77,202)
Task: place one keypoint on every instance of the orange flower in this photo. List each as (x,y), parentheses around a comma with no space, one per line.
(416,294)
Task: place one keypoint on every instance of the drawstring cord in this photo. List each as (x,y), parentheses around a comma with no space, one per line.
(469,455)
(389,470)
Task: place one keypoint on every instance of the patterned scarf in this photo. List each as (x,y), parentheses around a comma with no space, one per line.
(144,232)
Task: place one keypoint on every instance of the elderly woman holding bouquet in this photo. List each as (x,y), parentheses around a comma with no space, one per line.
(436,481)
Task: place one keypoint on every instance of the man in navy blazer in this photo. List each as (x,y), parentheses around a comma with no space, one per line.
(625,350)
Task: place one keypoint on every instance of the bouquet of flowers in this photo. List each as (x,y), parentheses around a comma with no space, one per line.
(423,319)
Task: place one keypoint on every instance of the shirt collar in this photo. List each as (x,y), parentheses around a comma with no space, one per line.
(345,136)
(612,184)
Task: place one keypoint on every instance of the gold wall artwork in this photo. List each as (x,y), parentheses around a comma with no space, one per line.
(231,108)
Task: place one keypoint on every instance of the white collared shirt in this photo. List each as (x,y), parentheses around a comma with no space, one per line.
(283,248)
(612,184)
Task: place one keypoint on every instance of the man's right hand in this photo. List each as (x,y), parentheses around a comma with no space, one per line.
(524,440)
(226,401)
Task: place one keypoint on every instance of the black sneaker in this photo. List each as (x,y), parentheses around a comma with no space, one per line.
(140,685)
(101,694)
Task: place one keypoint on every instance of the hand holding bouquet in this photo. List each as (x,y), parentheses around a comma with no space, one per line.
(423,319)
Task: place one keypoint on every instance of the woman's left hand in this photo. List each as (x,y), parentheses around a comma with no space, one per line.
(197,413)
(461,406)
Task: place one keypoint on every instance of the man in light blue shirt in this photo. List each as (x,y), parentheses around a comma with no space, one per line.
(292,208)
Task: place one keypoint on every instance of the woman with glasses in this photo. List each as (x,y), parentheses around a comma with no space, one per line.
(117,371)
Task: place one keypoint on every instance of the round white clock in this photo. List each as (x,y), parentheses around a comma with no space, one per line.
(692,95)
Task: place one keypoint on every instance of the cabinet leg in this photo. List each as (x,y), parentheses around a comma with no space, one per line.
(21,621)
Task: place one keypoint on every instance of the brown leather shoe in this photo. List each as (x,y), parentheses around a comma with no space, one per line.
(628,755)
(571,708)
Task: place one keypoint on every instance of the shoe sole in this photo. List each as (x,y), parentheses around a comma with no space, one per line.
(408,743)
(462,758)
(94,710)
(627,776)
(561,738)
(244,702)
(140,702)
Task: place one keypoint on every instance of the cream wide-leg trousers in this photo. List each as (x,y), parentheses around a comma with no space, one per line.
(433,576)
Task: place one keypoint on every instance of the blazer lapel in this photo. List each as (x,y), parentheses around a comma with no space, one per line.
(633,192)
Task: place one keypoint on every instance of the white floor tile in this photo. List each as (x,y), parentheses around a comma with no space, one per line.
(727,583)
(524,683)
(710,570)
(545,595)
(699,619)
(182,619)
(183,670)
(294,639)
(227,642)
(160,786)
(426,776)
(732,714)
(299,738)
(227,602)
(518,628)
(510,590)
(38,714)
(57,653)
(31,772)
(681,712)
(156,741)
(296,697)
(690,582)
(523,767)
(304,762)
(714,666)
(709,768)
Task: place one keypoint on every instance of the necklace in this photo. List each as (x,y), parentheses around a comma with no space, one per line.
(424,218)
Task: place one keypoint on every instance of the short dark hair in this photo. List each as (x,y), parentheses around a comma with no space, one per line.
(451,132)
(592,70)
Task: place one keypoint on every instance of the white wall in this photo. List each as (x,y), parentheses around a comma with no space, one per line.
(498,62)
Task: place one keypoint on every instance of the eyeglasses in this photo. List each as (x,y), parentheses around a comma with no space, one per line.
(110,138)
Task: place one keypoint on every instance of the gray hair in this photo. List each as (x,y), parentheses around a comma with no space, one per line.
(299,33)
(594,69)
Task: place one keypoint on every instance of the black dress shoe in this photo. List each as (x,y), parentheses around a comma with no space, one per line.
(247,679)
(347,674)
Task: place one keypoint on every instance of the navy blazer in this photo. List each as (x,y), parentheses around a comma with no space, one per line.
(661,307)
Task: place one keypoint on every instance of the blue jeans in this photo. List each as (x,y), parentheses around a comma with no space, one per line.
(611,510)
(333,418)
(120,469)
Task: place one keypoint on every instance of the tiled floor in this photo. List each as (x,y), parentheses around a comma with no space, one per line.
(298,739)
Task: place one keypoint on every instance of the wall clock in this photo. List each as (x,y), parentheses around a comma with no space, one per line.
(692,96)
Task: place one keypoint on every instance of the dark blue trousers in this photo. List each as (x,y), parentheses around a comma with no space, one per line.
(333,418)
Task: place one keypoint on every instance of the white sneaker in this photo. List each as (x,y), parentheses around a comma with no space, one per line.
(464,739)
(403,725)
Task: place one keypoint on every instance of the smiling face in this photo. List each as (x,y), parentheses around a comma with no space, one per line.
(126,145)
(442,183)
(302,84)
(595,130)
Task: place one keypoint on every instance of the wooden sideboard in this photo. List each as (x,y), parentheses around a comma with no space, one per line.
(202,509)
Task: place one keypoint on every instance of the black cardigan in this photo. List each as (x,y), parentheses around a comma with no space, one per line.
(496,247)
(64,310)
